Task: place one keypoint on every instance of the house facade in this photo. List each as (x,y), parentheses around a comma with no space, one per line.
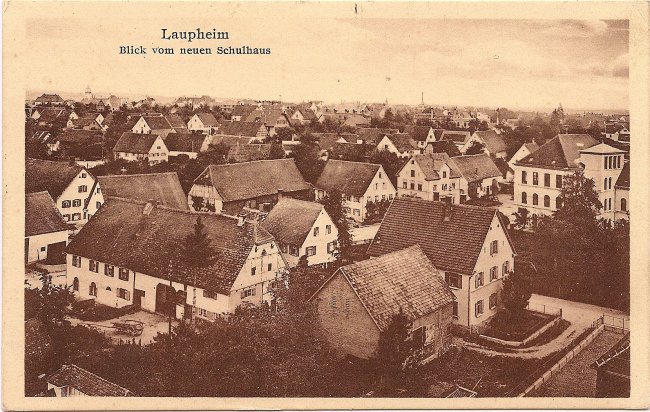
(359,183)
(135,147)
(469,245)
(132,261)
(493,143)
(303,228)
(203,122)
(71,380)
(46,233)
(359,301)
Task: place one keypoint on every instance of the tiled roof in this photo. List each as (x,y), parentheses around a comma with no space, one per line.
(84,122)
(430,164)
(48,175)
(229,140)
(623,180)
(41,215)
(135,143)
(121,234)
(350,178)
(176,121)
(208,119)
(404,280)
(403,142)
(503,166)
(611,128)
(291,220)
(49,115)
(248,152)
(475,167)
(160,187)
(86,382)
(532,147)
(602,148)
(494,142)
(249,180)
(326,140)
(267,116)
(240,128)
(49,98)
(418,133)
(372,135)
(157,122)
(184,142)
(455,136)
(444,146)
(452,245)
(82,137)
(243,110)
(562,151)
(438,133)
(617,358)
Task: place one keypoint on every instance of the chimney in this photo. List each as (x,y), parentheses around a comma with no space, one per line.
(148,208)
(241,218)
(446,212)
(280,194)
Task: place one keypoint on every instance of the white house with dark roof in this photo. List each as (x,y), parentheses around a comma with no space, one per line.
(203,122)
(163,188)
(303,228)
(421,134)
(401,144)
(622,194)
(72,380)
(358,302)
(492,142)
(459,137)
(130,254)
(134,147)
(524,150)
(46,233)
(153,124)
(359,183)
(469,245)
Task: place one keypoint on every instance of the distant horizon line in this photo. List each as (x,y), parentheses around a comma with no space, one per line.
(138,96)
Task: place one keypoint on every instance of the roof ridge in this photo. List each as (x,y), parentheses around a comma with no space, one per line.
(141,174)
(74,366)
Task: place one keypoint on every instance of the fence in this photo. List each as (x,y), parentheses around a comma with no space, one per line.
(616,322)
(546,309)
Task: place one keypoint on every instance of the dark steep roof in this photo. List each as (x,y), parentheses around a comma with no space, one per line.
(208,119)
(372,135)
(475,167)
(291,220)
(159,187)
(350,178)
(54,177)
(443,146)
(86,382)
(121,234)
(249,180)
(81,137)
(157,122)
(41,215)
(240,128)
(176,121)
(185,142)
(248,152)
(135,143)
(494,142)
(623,180)
(403,142)
(418,133)
(452,245)
(455,136)
(560,152)
(430,164)
(404,280)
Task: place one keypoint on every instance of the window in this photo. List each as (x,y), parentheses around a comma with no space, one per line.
(558,181)
(547,201)
(405,185)
(92,290)
(83,189)
(454,280)
(333,302)
(605,162)
(444,173)
(494,247)
(43,248)
(66,218)
(524,198)
(390,196)
(454,309)
(420,187)
(293,250)
(123,274)
(558,202)
(605,184)
(253,270)
(93,266)
(412,173)
(75,284)
(98,205)
(524,177)
(310,251)
(76,203)
(412,186)
(66,204)
(328,229)
(493,301)
(76,261)
(535,199)
(478,308)
(209,295)
(494,273)
(99,190)
(535,178)
(478,281)
(316,231)
(123,294)
(331,246)
(247,292)
(624,205)
(83,175)
(547,180)
(269,267)
(610,183)
(379,174)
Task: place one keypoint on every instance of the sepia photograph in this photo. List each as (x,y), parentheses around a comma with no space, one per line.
(378,202)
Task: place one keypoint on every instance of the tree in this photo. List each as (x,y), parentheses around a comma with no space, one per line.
(389,161)
(521,218)
(197,252)
(282,133)
(580,203)
(333,203)
(393,350)
(276,152)
(308,161)
(475,148)
(516,293)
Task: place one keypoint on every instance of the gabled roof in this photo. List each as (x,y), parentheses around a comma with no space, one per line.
(184,142)
(135,143)
(430,164)
(164,188)
(121,234)
(84,122)
(443,146)
(86,382)
(532,147)
(53,177)
(418,133)
(404,280)
(452,245)
(291,220)
(176,121)
(208,119)
(403,142)
(157,122)
(41,215)
(249,180)
(49,115)
(623,180)
(81,137)
(372,135)
(240,128)
(458,137)
(49,98)
(326,140)
(562,151)
(602,148)
(249,152)
(350,178)
(243,110)
(493,142)
(266,116)
(475,167)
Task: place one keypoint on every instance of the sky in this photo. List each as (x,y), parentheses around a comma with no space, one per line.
(519,64)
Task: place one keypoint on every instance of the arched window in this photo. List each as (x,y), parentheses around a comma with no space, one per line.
(547,201)
(624,205)
(65,204)
(605,184)
(108,288)
(524,197)
(92,289)
(535,199)
(558,202)
(75,284)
